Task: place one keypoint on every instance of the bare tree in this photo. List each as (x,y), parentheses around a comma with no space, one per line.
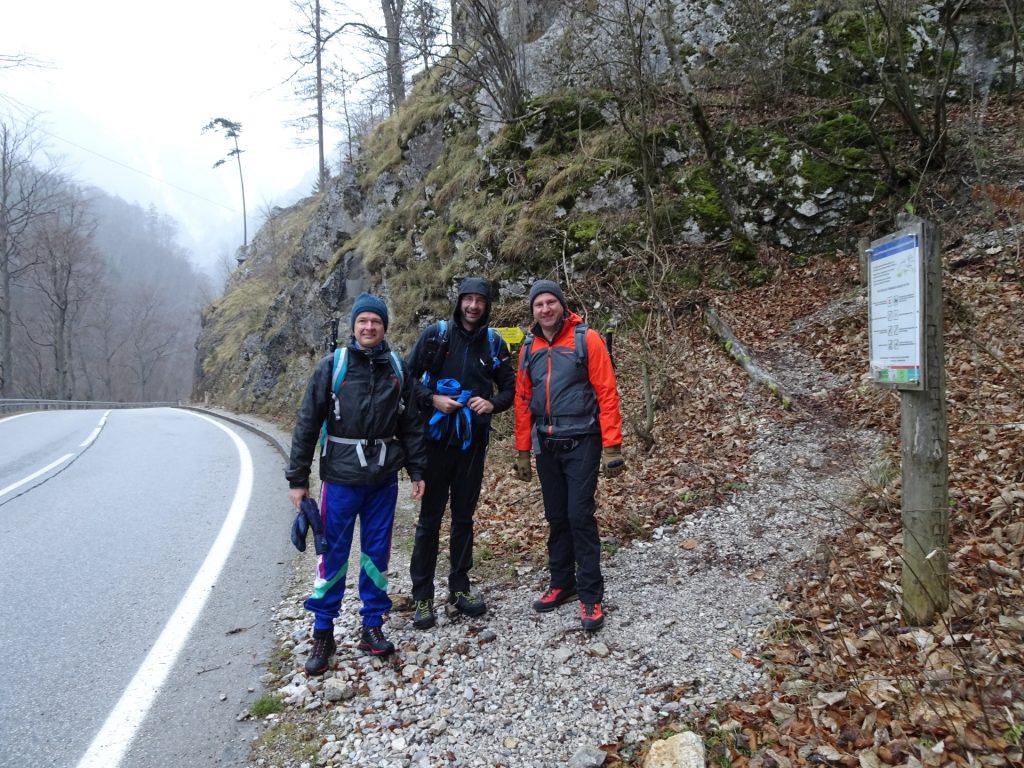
(65,276)
(423,28)
(232,130)
(153,338)
(13,60)
(25,194)
(319,29)
(489,58)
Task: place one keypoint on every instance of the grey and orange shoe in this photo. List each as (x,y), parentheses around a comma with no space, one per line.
(553,598)
(591,616)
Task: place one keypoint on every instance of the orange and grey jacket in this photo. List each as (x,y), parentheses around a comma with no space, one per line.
(557,396)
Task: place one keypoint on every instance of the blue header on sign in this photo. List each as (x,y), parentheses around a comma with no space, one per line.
(905,243)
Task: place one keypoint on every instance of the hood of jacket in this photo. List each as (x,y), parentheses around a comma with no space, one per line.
(473,285)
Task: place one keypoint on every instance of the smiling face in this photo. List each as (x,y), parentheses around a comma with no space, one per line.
(368,329)
(548,312)
(472,307)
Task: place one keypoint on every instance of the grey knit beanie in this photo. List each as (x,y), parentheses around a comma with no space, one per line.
(547,286)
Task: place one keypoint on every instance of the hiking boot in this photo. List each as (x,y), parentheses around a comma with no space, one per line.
(553,598)
(424,618)
(468,603)
(591,616)
(373,641)
(320,654)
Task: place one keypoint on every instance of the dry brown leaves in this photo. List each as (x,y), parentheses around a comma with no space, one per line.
(850,683)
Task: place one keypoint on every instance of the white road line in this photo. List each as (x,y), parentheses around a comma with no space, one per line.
(16,416)
(95,433)
(37,473)
(111,743)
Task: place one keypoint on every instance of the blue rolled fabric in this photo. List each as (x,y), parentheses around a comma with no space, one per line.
(438,425)
(300,527)
(309,508)
(309,517)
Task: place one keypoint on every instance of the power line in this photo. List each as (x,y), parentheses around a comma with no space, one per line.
(23,107)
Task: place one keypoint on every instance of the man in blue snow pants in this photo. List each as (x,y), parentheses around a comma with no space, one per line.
(370,436)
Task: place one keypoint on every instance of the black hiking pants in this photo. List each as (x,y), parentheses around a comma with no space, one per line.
(456,474)
(568,480)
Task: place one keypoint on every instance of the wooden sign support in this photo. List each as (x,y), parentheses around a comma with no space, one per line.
(912,315)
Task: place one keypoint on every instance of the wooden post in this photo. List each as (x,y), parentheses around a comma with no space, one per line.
(924,439)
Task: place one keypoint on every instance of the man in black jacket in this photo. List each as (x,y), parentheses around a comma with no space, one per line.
(370,436)
(456,369)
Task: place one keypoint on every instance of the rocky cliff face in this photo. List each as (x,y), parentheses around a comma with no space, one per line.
(608,161)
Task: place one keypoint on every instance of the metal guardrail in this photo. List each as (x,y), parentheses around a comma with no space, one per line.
(9,405)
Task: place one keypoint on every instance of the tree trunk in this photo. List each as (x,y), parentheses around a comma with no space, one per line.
(458,11)
(393,58)
(319,44)
(735,349)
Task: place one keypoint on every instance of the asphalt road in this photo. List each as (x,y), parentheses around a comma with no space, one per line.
(141,554)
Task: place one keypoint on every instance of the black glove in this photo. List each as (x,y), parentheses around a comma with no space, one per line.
(299,529)
(311,512)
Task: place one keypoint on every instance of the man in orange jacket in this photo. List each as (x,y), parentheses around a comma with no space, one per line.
(567,414)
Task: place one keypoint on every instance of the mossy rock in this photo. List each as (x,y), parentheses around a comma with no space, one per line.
(701,202)
(584,229)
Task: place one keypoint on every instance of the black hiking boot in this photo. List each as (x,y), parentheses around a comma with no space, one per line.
(468,603)
(373,641)
(553,598)
(424,618)
(320,654)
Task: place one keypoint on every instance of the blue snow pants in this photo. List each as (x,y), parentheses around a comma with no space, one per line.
(340,506)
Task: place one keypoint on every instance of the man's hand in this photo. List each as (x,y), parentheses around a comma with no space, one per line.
(612,461)
(445,404)
(480,405)
(418,487)
(524,467)
(296,495)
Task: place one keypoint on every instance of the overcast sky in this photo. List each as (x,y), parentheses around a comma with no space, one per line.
(129,85)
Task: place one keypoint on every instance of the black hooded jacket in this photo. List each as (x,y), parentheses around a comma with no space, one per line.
(466,359)
(369,400)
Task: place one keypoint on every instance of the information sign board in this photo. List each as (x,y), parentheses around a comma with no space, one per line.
(512,336)
(896,309)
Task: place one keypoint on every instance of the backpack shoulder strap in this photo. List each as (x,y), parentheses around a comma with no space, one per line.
(580,342)
(525,351)
(494,344)
(340,368)
(398,368)
(435,349)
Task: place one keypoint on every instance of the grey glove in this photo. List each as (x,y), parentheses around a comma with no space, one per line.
(524,467)
(612,461)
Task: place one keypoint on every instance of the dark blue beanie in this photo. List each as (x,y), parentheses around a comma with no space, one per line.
(366,302)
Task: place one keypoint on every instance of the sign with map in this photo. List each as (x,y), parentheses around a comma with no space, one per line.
(896,309)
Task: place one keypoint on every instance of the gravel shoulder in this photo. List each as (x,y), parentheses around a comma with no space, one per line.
(686,610)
